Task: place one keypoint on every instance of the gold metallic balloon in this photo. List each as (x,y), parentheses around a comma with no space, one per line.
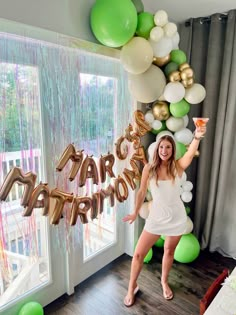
(160,110)
(161,61)
(187,83)
(174,76)
(184,66)
(186,73)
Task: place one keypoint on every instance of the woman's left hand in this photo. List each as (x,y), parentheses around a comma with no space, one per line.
(200,132)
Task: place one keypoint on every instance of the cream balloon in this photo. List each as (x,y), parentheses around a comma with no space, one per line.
(156,33)
(149,117)
(137,55)
(175,41)
(184,135)
(195,94)
(174,92)
(148,196)
(148,86)
(170,29)
(156,125)
(161,48)
(174,124)
(160,18)
(186,196)
(187,185)
(186,120)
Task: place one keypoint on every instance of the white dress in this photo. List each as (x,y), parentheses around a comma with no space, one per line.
(167,214)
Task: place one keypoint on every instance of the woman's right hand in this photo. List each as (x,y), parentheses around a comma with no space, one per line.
(130,218)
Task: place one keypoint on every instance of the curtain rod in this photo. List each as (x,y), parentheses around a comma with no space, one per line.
(207,19)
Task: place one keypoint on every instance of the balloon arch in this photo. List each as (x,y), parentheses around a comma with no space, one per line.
(160,76)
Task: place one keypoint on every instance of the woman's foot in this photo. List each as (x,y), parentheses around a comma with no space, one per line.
(130,298)
(167,292)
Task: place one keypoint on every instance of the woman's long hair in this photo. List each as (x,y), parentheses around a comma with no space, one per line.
(171,163)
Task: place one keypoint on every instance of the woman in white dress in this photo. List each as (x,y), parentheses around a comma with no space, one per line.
(167,215)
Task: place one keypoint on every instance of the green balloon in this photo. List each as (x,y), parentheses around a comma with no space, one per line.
(180,109)
(180,150)
(170,67)
(188,210)
(31,308)
(178,56)
(163,127)
(113,22)
(160,242)
(187,249)
(145,24)
(163,237)
(148,257)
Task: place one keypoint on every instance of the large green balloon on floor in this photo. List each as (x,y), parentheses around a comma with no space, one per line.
(187,249)
(148,257)
(160,242)
(113,22)
(31,308)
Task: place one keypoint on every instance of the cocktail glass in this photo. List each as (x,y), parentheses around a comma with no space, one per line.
(200,122)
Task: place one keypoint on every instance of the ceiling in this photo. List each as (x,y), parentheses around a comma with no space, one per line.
(181,10)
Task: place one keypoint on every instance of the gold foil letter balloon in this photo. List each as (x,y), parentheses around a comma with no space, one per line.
(80,207)
(41,189)
(61,198)
(160,110)
(88,170)
(16,175)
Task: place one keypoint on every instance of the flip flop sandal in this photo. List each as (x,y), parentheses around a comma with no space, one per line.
(131,302)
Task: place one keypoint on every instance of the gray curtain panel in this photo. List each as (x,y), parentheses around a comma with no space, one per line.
(210,45)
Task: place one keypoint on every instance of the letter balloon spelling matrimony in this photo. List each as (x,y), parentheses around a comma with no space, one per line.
(85,168)
(159,76)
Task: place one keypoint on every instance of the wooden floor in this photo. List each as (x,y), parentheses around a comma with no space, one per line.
(103,293)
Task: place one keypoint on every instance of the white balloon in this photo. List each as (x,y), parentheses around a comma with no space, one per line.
(170,29)
(186,196)
(144,210)
(189,226)
(156,33)
(186,120)
(187,186)
(149,118)
(148,86)
(137,55)
(184,135)
(156,124)
(174,123)
(175,41)
(161,48)
(160,18)
(174,92)
(151,149)
(195,94)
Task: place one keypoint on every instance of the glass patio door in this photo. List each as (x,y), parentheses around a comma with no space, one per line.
(52,97)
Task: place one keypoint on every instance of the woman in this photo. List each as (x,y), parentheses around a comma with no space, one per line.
(167,215)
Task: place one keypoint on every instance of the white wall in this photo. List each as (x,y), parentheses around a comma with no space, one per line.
(69,17)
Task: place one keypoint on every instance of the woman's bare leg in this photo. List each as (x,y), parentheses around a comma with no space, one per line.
(145,242)
(167,261)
